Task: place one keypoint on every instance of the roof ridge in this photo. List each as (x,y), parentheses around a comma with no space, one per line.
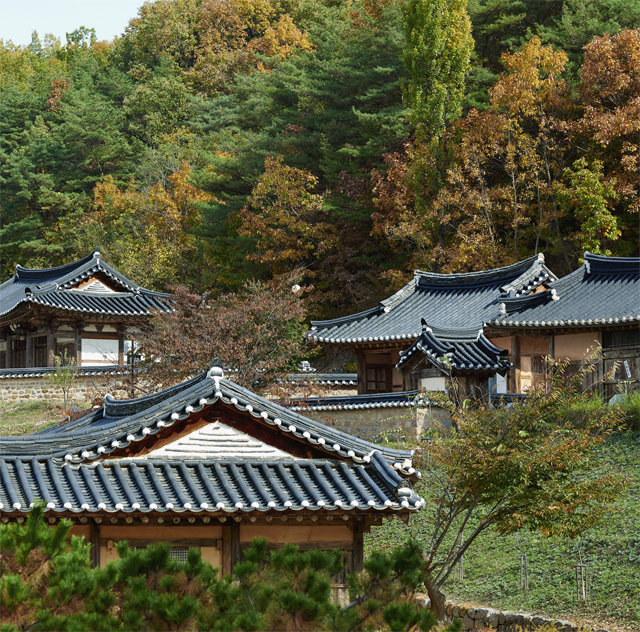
(452,333)
(28,274)
(484,276)
(513,303)
(388,303)
(603,264)
(135,419)
(125,407)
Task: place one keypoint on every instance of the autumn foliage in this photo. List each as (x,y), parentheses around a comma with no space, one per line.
(257,333)
(542,169)
(527,466)
(221,140)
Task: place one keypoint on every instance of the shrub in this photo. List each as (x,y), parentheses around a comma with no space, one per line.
(630,407)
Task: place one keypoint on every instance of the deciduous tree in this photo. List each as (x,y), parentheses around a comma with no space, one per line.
(609,122)
(147,234)
(588,198)
(437,45)
(286,219)
(528,466)
(256,332)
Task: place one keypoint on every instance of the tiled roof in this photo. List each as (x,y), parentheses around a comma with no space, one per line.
(118,424)
(403,399)
(324,379)
(84,465)
(138,485)
(51,287)
(107,369)
(444,300)
(465,350)
(604,291)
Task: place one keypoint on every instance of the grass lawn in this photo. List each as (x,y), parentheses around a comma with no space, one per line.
(611,550)
(25,417)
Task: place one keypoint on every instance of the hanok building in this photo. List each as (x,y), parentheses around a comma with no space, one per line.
(441,354)
(85,308)
(462,302)
(208,464)
(596,305)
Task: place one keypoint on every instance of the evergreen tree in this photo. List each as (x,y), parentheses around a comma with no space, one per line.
(582,20)
(47,585)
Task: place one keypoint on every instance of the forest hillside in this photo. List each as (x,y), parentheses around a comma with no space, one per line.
(221,140)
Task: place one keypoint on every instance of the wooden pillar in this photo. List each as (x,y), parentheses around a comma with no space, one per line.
(516,365)
(357,551)
(78,330)
(51,346)
(362,375)
(28,351)
(10,351)
(121,335)
(94,541)
(230,547)
(7,353)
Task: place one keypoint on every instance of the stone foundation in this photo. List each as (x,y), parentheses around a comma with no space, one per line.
(474,618)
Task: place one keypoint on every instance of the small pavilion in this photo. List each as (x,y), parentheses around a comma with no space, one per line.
(85,308)
(465,355)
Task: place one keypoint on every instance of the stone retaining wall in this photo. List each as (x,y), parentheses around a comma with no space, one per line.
(84,388)
(474,618)
(378,424)
(89,387)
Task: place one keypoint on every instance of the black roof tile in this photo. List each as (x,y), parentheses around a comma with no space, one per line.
(465,350)
(403,399)
(51,288)
(604,291)
(444,300)
(219,487)
(120,423)
(106,369)
(68,465)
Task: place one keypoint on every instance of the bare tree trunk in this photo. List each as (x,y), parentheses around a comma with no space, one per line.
(436,597)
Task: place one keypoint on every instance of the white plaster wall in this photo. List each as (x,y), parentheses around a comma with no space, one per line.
(99,351)
(433,383)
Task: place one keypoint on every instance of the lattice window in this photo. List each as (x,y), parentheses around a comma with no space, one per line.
(179,553)
(378,378)
(621,338)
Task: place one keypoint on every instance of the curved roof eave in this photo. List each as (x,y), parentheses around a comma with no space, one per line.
(120,423)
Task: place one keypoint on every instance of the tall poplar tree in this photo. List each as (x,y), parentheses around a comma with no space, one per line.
(437,49)
(438,44)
